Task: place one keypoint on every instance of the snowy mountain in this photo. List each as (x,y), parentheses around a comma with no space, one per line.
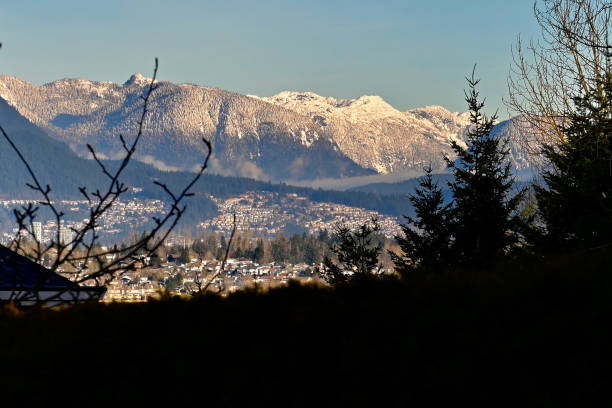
(250,137)
(289,136)
(376,135)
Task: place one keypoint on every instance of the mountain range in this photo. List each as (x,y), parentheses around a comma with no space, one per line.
(289,136)
(55,164)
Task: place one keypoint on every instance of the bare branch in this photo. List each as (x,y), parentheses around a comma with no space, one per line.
(81,251)
(227,251)
(571,56)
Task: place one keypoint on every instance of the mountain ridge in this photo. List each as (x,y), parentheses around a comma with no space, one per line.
(55,164)
(376,135)
(288,136)
(244,131)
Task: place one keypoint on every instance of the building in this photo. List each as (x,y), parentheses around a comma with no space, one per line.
(65,237)
(37,231)
(28,283)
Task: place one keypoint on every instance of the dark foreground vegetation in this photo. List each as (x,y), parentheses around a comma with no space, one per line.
(533,332)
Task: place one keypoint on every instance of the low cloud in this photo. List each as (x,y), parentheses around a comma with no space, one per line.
(350,182)
(296,169)
(118,155)
(251,170)
(242,168)
(158,164)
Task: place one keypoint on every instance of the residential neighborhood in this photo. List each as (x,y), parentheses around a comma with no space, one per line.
(270,213)
(177,278)
(259,214)
(263,213)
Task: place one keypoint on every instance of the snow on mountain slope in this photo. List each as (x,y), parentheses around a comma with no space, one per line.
(250,137)
(375,134)
(288,136)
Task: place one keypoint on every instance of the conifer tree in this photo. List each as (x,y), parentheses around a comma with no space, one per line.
(576,202)
(426,239)
(485,220)
(221,248)
(259,254)
(184,255)
(356,254)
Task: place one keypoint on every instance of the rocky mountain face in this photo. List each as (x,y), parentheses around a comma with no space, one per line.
(376,135)
(289,136)
(250,137)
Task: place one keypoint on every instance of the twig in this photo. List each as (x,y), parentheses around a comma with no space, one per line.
(227,251)
(86,237)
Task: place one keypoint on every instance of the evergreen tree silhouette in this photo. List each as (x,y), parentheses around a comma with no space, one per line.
(355,252)
(576,203)
(425,239)
(485,220)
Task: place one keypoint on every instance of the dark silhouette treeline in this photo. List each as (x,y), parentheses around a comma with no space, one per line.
(487,220)
(522,331)
(481,223)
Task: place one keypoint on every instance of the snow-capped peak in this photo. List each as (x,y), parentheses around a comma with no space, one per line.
(437,110)
(365,108)
(370,107)
(138,79)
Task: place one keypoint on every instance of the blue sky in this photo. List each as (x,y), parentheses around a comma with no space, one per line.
(412,53)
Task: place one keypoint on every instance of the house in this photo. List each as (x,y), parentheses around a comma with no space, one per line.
(27,283)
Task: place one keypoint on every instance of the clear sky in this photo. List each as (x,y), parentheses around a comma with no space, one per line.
(412,53)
